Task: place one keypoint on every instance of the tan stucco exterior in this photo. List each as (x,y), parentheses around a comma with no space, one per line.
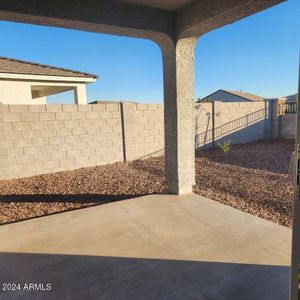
(16,92)
(33,89)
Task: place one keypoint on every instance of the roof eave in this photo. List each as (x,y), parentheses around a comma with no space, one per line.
(38,77)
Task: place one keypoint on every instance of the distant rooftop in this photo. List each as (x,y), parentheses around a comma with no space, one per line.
(291,98)
(245,95)
(111,102)
(15,66)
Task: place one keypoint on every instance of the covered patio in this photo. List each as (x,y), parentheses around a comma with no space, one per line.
(176,27)
(152,247)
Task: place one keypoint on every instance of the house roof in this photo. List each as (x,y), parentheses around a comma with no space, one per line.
(16,66)
(111,102)
(244,95)
(291,98)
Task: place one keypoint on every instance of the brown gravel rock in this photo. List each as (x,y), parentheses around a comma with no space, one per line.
(250,177)
(253,178)
(51,193)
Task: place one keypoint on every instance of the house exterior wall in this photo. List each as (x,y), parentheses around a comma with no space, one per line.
(80,94)
(19,91)
(226,97)
(15,92)
(39,100)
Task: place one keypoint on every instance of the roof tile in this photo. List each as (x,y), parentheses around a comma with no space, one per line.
(15,66)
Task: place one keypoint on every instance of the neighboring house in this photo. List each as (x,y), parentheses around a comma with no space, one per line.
(231,96)
(23,82)
(290,98)
(286,104)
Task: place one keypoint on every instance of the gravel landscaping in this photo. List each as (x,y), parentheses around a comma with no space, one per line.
(252,177)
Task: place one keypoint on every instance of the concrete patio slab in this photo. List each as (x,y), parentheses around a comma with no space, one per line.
(152,247)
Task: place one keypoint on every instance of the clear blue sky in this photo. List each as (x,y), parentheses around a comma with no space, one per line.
(258,54)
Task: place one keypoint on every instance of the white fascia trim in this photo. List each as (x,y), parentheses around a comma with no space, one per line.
(45,78)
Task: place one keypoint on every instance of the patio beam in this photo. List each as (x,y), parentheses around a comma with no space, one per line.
(103,16)
(203,16)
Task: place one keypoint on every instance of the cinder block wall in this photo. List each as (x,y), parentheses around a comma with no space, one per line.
(144,130)
(49,138)
(246,120)
(39,139)
(241,122)
(203,121)
(4,145)
(287,127)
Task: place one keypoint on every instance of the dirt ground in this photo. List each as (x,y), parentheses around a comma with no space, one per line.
(253,178)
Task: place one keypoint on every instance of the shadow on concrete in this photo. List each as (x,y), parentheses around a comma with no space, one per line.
(121,278)
(69,198)
(52,204)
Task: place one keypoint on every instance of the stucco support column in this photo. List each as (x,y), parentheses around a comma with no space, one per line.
(178,64)
(80,94)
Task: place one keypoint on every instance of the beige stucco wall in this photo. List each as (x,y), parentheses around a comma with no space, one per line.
(39,100)
(15,92)
(19,91)
(80,94)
